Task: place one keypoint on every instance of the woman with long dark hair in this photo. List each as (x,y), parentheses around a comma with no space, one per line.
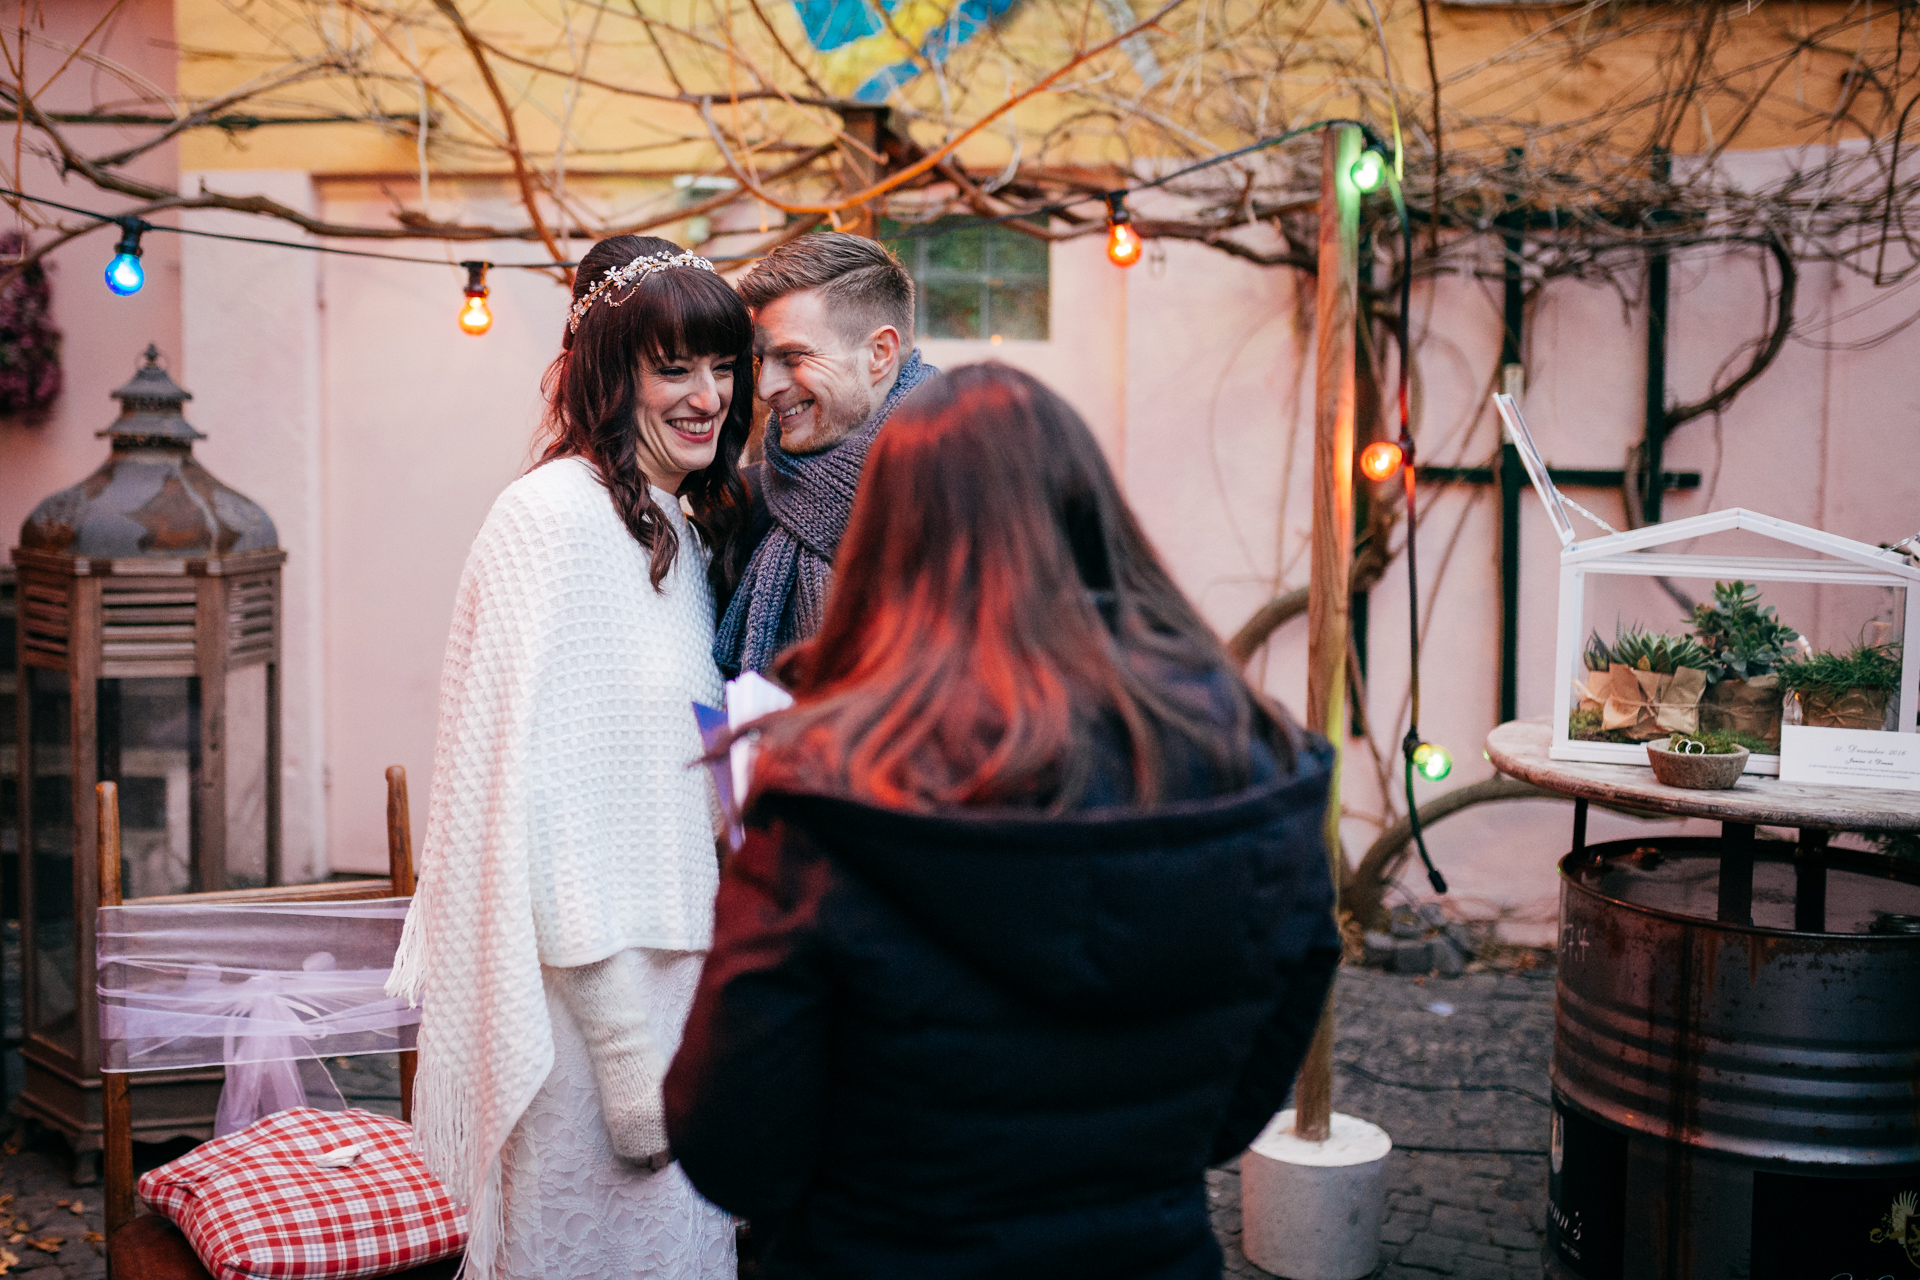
(1032,923)
(568,873)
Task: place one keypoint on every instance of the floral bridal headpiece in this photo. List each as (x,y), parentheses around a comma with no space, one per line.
(632,274)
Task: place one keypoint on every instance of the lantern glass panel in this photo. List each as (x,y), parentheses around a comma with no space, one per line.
(150,746)
(50,801)
(246,757)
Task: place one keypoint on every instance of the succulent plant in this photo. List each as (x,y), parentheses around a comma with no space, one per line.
(1662,654)
(1742,639)
(1599,654)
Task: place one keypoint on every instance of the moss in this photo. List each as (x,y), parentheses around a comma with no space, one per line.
(1584,726)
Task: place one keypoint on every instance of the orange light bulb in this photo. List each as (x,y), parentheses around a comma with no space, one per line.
(475,316)
(1123,245)
(1380,460)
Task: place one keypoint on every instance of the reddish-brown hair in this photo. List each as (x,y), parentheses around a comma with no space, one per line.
(995,607)
(593,397)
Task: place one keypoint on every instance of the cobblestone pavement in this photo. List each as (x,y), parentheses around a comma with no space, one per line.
(1462,1201)
(1471,1216)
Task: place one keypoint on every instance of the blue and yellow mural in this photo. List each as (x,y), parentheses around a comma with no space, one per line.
(866,56)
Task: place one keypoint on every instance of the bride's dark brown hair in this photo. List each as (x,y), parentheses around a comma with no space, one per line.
(593,396)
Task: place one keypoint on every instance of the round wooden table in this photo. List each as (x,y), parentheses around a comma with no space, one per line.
(1519,750)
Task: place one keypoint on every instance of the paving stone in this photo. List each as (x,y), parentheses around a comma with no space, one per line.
(1481,1269)
(1460,1224)
(1465,1217)
(1431,1252)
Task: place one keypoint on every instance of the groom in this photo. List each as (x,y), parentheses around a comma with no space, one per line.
(833,334)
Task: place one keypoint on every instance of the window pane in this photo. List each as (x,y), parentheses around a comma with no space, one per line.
(1014,253)
(50,799)
(247,777)
(1018,311)
(953,311)
(975,281)
(958,251)
(150,745)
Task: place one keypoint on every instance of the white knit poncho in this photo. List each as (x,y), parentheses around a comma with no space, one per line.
(564,824)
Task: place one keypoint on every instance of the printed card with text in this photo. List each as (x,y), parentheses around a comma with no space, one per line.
(1850,757)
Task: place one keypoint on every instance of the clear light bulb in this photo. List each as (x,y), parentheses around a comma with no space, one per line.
(1123,244)
(1369,171)
(475,316)
(125,275)
(1380,460)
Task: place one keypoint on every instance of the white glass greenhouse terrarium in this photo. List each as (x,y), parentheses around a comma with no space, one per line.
(1730,622)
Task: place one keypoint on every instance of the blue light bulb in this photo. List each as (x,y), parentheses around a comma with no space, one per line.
(125,275)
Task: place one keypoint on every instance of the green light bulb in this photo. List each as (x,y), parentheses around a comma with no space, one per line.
(1434,763)
(1369,171)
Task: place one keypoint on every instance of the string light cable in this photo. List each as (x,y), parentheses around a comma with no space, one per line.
(126,276)
(1432,761)
(1116,198)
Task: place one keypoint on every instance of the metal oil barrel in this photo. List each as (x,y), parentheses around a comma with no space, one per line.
(1733,1100)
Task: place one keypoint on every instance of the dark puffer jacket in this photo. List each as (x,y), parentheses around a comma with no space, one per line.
(994,1045)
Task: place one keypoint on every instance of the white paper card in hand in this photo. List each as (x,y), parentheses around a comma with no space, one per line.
(748,699)
(1850,757)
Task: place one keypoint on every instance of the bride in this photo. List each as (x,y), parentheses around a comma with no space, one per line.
(568,872)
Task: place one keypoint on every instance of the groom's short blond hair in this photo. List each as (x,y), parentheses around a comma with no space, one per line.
(864,284)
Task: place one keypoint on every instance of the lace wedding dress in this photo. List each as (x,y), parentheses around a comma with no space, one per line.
(576,1211)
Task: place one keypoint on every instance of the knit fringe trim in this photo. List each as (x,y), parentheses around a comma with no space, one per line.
(408,981)
(447,1128)
(486,1227)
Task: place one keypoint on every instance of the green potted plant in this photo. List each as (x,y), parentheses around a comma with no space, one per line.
(1745,646)
(1851,690)
(1643,686)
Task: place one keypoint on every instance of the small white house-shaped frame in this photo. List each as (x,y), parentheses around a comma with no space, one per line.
(1837,560)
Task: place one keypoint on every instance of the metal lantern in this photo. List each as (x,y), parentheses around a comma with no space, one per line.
(147,607)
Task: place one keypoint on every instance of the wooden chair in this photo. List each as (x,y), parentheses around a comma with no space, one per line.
(148,1246)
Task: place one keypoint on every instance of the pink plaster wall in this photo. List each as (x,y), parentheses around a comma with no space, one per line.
(250,352)
(1195,371)
(103,334)
(378,434)
(425,426)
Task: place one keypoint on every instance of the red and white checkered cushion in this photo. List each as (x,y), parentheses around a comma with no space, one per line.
(254,1205)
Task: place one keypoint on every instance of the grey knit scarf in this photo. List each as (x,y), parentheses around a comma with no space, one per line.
(783,594)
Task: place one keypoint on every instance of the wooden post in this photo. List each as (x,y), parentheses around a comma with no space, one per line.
(116,1108)
(401,882)
(1327,588)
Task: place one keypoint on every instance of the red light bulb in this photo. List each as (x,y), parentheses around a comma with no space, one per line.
(1123,244)
(1380,460)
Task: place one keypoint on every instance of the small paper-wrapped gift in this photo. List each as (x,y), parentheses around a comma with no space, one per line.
(1748,707)
(1846,708)
(1646,704)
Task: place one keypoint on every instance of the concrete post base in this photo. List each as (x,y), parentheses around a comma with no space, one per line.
(1312,1210)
